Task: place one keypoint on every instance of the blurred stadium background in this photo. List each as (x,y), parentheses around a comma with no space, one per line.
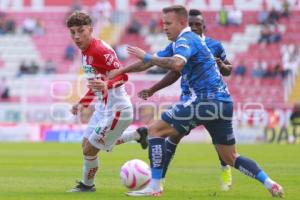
(40,66)
(41,77)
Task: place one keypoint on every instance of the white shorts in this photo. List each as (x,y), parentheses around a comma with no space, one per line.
(105,128)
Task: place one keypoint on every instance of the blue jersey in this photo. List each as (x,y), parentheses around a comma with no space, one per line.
(200,73)
(216,48)
(218,51)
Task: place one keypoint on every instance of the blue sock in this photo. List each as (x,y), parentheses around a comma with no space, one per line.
(156,156)
(170,151)
(250,168)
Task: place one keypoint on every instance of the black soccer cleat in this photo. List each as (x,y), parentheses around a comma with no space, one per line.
(80,187)
(143,132)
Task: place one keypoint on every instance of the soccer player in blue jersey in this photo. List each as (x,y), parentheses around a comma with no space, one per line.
(209,104)
(196,22)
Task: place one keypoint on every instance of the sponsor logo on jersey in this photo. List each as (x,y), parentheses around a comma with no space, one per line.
(88,69)
(109,59)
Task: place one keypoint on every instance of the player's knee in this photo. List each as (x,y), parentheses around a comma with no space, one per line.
(175,138)
(89,150)
(153,131)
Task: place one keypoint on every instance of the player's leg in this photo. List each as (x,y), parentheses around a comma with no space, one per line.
(157,133)
(174,122)
(223,137)
(170,145)
(249,167)
(89,169)
(104,135)
(90,163)
(225,175)
(139,135)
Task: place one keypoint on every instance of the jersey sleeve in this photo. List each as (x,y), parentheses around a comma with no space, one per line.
(87,98)
(222,53)
(167,52)
(105,59)
(183,49)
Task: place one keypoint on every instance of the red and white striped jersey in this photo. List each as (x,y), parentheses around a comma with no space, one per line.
(97,60)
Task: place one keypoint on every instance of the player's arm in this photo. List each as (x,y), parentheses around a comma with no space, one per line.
(170,78)
(135,67)
(224,66)
(174,63)
(99,85)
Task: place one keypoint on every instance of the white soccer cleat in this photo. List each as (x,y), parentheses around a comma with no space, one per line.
(147,191)
(277,190)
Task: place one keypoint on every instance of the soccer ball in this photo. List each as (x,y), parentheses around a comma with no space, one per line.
(135,174)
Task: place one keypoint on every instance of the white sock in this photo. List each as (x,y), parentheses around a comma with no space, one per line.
(269,183)
(155,184)
(129,135)
(90,167)
(226,167)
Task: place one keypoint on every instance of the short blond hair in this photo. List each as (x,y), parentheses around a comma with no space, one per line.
(177,9)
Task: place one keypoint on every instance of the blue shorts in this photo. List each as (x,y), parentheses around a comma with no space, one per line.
(215,116)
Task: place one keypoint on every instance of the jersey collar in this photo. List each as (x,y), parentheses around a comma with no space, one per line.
(90,46)
(186,29)
(202,37)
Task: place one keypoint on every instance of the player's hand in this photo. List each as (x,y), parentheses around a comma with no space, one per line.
(219,62)
(76,109)
(97,85)
(113,73)
(145,94)
(137,52)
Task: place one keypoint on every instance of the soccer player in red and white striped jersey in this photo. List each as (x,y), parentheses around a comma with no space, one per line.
(113,110)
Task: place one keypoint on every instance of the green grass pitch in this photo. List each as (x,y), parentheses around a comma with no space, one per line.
(46,170)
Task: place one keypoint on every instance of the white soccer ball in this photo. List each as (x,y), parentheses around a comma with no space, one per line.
(135,174)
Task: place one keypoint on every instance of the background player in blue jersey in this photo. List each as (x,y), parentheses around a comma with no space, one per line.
(196,22)
(209,104)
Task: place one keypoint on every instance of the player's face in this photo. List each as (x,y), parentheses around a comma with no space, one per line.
(197,24)
(81,35)
(173,24)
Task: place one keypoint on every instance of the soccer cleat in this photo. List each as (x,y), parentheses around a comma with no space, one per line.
(80,187)
(143,132)
(148,191)
(225,178)
(277,191)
